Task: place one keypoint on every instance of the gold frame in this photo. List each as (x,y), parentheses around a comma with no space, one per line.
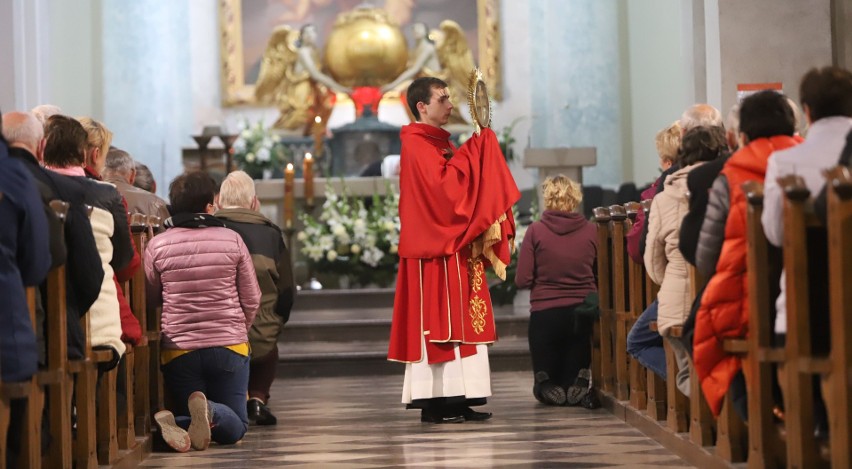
(235,92)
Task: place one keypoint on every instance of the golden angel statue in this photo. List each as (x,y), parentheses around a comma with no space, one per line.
(447,57)
(291,79)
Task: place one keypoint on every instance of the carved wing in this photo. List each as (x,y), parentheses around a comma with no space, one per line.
(279,57)
(454,53)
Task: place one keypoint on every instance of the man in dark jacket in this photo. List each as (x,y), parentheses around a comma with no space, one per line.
(238,207)
(24,261)
(84,274)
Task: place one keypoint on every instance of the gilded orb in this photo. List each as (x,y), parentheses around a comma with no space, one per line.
(365,48)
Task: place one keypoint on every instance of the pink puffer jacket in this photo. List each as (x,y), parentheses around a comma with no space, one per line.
(205,280)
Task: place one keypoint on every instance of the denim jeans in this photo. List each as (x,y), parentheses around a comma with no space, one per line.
(647,345)
(222,375)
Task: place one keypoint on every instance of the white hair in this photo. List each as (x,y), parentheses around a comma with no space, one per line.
(732,121)
(22,128)
(237,191)
(119,162)
(700,115)
(44,111)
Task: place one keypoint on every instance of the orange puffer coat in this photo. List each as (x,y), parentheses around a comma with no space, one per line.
(724,306)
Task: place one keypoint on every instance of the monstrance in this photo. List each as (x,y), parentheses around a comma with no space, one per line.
(478,101)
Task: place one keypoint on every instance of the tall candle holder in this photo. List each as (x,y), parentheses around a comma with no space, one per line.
(202,141)
(308,176)
(228,140)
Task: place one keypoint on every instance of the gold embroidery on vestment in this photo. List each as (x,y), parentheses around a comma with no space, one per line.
(478,307)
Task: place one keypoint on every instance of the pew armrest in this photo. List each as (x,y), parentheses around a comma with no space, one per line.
(16,390)
(771,355)
(735,346)
(815,365)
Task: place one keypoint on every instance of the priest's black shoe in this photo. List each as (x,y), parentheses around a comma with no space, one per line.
(259,414)
(440,416)
(473,416)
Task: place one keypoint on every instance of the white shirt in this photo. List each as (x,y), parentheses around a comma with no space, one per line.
(821,150)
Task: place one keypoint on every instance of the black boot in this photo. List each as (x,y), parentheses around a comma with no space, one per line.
(259,414)
(546,391)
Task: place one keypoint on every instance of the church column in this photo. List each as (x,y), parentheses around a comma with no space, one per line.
(147,92)
(841,15)
(575,81)
(23,53)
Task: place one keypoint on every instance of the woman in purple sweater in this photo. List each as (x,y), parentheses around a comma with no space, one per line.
(557,261)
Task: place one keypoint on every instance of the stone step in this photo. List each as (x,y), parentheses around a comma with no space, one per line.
(372,326)
(355,298)
(309,359)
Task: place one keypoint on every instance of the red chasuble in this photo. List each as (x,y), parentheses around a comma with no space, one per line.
(455,211)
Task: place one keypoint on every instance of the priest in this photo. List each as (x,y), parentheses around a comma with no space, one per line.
(456,220)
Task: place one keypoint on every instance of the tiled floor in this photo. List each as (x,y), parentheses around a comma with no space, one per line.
(358,422)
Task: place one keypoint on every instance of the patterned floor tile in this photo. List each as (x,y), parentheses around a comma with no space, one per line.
(358,422)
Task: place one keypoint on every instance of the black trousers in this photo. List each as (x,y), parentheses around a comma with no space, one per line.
(560,343)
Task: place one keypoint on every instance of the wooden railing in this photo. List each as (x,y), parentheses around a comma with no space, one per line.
(110,430)
(685,425)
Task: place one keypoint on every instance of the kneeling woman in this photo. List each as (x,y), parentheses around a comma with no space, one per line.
(557,261)
(202,274)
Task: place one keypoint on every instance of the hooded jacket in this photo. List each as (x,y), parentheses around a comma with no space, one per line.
(663,260)
(557,260)
(274,272)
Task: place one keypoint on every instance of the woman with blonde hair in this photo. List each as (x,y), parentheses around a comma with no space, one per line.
(99,141)
(556,262)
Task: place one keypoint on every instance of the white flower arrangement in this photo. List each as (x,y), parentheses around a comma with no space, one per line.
(258,149)
(353,238)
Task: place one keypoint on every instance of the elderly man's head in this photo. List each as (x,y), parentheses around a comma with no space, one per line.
(700,115)
(237,191)
(120,165)
(23,130)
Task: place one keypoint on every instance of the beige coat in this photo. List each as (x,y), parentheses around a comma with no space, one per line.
(663,260)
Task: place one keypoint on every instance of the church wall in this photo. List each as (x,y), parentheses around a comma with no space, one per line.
(660,83)
(842,32)
(75,39)
(760,42)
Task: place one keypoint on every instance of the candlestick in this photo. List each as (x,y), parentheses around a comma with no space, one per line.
(308,175)
(319,132)
(288,196)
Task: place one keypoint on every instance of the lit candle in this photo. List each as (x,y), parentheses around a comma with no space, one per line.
(308,174)
(288,196)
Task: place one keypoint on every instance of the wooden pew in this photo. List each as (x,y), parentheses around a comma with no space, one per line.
(655,385)
(621,316)
(30,394)
(701,424)
(59,454)
(637,303)
(85,380)
(677,412)
(800,363)
(136,295)
(839,192)
(607,364)
(155,375)
(766,449)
